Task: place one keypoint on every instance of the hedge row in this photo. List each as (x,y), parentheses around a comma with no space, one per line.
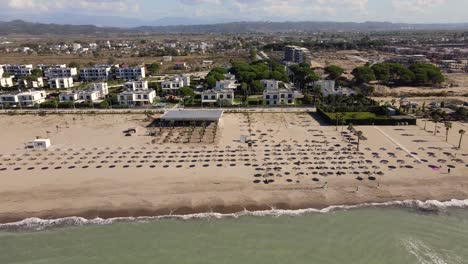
(379,121)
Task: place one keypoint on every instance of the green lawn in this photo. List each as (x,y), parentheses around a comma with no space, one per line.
(355,115)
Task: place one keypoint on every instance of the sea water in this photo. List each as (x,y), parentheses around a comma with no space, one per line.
(362,235)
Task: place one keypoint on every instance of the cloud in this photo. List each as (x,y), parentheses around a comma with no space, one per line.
(278,8)
(82,5)
(416,6)
(197,2)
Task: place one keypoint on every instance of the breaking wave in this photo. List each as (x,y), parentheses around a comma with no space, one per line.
(37,224)
(427,255)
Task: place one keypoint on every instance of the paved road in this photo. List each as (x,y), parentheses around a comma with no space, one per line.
(158,110)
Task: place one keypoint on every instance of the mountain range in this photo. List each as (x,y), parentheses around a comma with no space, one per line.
(167,27)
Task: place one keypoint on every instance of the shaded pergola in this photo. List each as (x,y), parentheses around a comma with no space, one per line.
(188,117)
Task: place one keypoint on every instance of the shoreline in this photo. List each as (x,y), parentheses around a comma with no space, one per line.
(110,217)
(223,209)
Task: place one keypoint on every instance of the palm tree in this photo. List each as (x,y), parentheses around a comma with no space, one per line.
(448,126)
(359,135)
(461,132)
(435,119)
(425,116)
(350,127)
(316,92)
(339,117)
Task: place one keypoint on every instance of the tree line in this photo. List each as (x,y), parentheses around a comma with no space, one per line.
(397,74)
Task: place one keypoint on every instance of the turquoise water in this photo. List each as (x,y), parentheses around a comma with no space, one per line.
(377,235)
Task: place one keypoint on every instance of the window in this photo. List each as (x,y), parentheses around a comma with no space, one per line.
(267,97)
(290,95)
(205,97)
(275,97)
(289,101)
(282,95)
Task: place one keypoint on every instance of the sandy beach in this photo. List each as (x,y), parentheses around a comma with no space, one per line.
(94,170)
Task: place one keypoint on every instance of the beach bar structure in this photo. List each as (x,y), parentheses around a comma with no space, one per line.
(188,117)
(41,143)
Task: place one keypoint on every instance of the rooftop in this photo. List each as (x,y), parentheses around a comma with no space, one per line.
(192,115)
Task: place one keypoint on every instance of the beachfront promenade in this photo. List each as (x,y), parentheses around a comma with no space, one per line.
(159,110)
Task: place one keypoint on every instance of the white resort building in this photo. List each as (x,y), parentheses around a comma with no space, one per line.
(101,87)
(31,83)
(137,94)
(6,81)
(176,83)
(130,73)
(218,96)
(143,85)
(274,94)
(96,73)
(226,84)
(94,94)
(60,71)
(61,83)
(223,93)
(328,87)
(20,98)
(18,70)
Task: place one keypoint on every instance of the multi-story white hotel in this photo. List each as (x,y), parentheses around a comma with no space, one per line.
(138,85)
(137,93)
(130,73)
(270,84)
(176,83)
(226,84)
(137,97)
(70,96)
(218,96)
(80,96)
(61,83)
(96,73)
(95,93)
(297,54)
(6,81)
(31,83)
(101,87)
(18,70)
(273,94)
(20,98)
(60,71)
(223,93)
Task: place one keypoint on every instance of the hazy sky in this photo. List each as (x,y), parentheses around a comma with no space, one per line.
(424,11)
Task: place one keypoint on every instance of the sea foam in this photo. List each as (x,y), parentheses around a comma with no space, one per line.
(41,224)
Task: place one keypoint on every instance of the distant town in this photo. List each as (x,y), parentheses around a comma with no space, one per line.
(236,71)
